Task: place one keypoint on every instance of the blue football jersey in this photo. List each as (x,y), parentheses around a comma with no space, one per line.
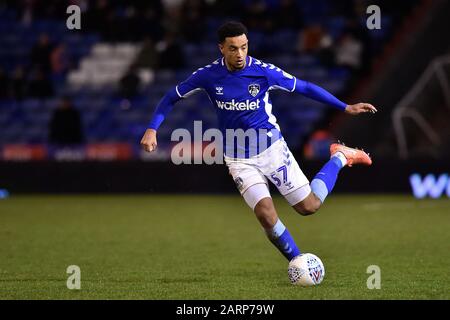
(242,101)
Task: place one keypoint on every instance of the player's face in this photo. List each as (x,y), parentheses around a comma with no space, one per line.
(234,50)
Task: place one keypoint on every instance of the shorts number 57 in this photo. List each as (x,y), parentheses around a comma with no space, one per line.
(275,176)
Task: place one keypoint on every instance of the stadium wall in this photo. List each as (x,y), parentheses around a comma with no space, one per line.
(165,177)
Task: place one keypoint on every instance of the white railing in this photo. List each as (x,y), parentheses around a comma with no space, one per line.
(405,109)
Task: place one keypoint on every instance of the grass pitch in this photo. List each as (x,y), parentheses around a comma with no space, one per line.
(211,247)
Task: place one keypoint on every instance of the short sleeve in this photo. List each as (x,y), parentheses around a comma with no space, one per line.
(191,85)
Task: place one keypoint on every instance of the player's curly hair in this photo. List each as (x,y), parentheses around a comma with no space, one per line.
(231,29)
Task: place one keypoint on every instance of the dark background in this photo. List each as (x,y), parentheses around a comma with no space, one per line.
(74,104)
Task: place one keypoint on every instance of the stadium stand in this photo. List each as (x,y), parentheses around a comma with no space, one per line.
(91,64)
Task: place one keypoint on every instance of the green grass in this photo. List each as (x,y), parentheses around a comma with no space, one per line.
(211,247)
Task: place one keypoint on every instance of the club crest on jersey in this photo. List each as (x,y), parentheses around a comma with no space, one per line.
(253,89)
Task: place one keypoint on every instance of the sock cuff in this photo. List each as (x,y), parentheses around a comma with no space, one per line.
(341,160)
(320,189)
(277,230)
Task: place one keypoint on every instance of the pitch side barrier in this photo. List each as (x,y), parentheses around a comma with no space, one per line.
(420,178)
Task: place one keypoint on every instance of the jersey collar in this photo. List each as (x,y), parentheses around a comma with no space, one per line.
(248,63)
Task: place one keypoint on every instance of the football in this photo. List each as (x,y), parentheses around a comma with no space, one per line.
(306,270)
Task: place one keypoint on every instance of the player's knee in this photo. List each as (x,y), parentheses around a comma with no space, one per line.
(306,208)
(309,210)
(306,211)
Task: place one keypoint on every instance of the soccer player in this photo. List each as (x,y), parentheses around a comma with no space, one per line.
(238,85)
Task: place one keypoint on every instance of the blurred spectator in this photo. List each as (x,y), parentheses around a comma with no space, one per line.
(40,53)
(348,52)
(288,15)
(316,40)
(193,25)
(148,56)
(40,85)
(4,84)
(59,59)
(171,20)
(65,125)
(169,4)
(257,16)
(130,27)
(18,83)
(95,18)
(318,145)
(29,10)
(348,8)
(368,48)
(26,13)
(170,53)
(152,17)
(129,84)
(51,9)
(313,39)
(226,8)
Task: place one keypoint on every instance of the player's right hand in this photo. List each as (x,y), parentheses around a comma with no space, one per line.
(358,108)
(148,141)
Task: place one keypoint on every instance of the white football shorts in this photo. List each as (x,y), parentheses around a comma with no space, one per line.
(276,164)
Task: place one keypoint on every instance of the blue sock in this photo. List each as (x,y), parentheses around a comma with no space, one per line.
(324,181)
(283,240)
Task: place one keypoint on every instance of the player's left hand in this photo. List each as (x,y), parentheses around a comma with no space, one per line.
(358,108)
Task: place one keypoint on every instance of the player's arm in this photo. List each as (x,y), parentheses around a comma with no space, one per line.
(282,80)
(183,90)
(148,141)
(317,93)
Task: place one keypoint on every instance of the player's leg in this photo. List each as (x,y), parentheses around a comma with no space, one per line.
(284,172)
(309,205)
(323,183)
(252,185)
(258,198)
